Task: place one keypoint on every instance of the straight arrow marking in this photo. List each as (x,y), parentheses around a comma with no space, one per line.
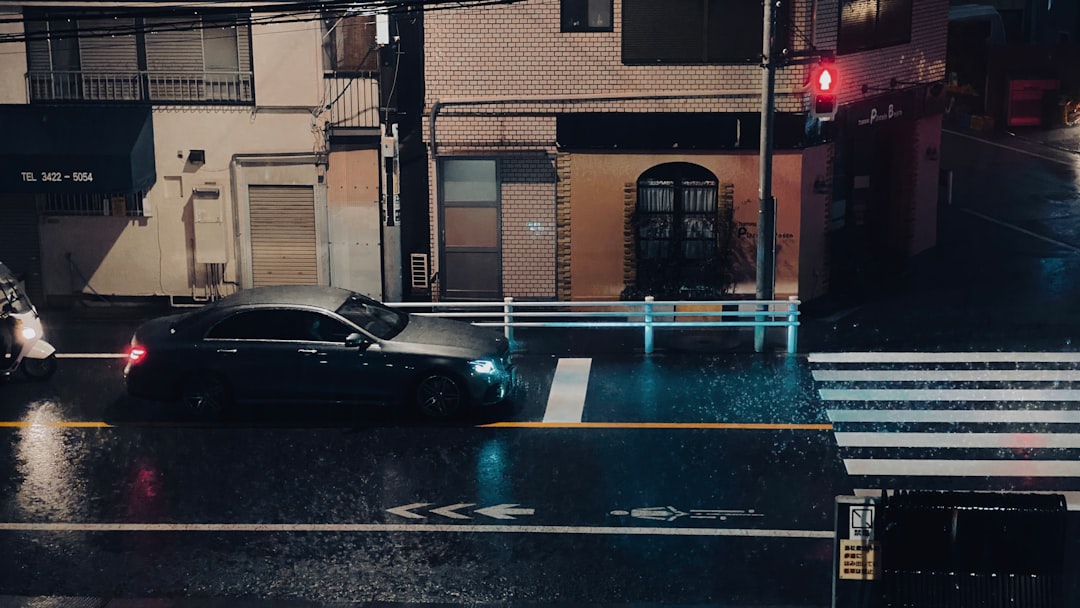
(450,510)
(505,511)
(406,511)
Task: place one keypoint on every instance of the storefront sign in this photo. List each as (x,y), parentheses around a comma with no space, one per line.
(76,149)
(56,176)
(889,112)
(883,109)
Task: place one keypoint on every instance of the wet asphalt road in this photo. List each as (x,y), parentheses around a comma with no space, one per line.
(621,515)
(694,478)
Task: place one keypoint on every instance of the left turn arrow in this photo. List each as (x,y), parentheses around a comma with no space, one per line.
(406,510)
(449,511)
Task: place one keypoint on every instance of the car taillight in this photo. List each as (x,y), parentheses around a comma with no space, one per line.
(136,354)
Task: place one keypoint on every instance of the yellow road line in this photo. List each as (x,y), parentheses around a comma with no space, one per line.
(62,424)
(754,426)
(767,426)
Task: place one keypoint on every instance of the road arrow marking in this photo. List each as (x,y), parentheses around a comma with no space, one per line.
(449,511)
(506,511)
(406,511)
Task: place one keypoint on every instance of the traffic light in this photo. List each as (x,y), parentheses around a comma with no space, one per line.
(823,93)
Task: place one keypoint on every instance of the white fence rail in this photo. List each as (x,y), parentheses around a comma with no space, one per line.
(648,314)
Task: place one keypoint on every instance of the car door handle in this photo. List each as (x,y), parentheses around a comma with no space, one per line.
(226,350)
(307,351)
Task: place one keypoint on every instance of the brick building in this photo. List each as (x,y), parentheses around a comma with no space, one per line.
(598,149)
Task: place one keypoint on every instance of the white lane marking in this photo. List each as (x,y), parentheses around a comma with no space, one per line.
(959,394)
(91,356)
(912,357)
(1031,416)
(958,440)
(947,375)
(566,401)
(505,511)
(1014,227)
(1011,148)
(451,528)
(962,468)
(1072,499)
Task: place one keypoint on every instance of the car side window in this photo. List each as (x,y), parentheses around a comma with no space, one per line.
(245,325)
(321,328)
(282,325)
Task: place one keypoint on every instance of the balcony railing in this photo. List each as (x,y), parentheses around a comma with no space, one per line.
(352,102)
(215,87)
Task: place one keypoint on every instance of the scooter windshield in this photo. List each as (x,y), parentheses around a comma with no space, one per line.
(13,301)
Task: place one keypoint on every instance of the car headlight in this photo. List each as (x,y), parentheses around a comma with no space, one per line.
(483,366)
(29,333)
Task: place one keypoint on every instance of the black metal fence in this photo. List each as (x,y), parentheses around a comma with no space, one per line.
(973,550)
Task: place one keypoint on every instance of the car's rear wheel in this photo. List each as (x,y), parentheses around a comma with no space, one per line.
(205,395)
(439,396)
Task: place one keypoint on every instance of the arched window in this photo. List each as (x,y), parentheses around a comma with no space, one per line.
(680,231)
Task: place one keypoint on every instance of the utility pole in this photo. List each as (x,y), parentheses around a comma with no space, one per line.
(766,225)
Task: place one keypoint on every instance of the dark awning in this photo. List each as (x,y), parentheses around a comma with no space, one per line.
(76,149)
(676,130)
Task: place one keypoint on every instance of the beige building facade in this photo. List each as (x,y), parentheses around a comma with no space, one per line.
(604,150)
(186,157)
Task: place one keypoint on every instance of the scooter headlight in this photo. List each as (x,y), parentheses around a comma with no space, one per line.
(29,333)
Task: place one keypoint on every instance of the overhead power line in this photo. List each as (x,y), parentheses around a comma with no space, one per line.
(194,17)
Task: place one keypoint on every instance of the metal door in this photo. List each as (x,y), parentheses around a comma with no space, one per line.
(283,244)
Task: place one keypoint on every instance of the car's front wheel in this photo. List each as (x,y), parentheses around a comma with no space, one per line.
(205,395)
(439,396)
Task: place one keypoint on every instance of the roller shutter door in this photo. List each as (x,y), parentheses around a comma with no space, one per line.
(283,246)
(20,243)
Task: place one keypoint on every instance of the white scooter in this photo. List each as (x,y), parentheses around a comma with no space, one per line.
(29,351)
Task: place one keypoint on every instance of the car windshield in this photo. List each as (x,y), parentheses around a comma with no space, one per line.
(377,319)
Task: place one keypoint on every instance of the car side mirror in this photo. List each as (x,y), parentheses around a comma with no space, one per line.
(355,339)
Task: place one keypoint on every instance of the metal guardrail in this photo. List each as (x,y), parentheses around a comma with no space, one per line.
(217,87)
(510,314)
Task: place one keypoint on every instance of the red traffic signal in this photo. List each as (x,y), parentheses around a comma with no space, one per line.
(823,104)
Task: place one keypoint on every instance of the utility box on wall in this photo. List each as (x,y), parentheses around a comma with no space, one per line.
(209,223)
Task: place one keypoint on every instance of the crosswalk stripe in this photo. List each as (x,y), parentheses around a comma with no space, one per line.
(912,357)
(958,440)
(566,399)
(935,394)
(1015,416)
(950,375)
(1011,408)
(962,468)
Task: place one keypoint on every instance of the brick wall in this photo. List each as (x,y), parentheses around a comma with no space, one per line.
(528,226)
(517,52)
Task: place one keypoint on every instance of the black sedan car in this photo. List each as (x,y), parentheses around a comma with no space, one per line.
(316,344)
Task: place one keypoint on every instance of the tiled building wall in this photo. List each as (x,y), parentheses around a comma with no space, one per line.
(920,61)
(517,55)
(528,226)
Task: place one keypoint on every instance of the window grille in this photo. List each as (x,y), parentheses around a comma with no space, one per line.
(129,205)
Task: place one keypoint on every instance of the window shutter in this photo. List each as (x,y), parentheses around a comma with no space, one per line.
(108,53)
(663,31)
(37,47)
(172,50)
